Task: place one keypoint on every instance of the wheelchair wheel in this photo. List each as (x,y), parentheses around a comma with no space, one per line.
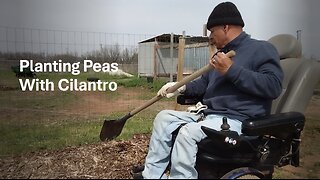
(244,173)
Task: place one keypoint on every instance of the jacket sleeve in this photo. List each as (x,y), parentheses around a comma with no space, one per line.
(197,87)
(265,80)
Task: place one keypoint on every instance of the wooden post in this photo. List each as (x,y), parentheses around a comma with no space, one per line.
(171,58)
(204,30)
(155,59)
(182,43)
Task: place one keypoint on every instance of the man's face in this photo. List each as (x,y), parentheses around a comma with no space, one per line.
(218,36)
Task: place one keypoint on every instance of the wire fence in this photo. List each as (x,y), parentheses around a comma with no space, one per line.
(45,42)
(145,54)
(13,40)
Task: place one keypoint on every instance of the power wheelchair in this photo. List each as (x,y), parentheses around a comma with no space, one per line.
(268,141)
(265,142)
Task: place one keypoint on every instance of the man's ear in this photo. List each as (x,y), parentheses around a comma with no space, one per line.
(225,28)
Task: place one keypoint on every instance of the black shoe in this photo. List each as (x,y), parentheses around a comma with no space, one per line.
(137,175)
(138,168)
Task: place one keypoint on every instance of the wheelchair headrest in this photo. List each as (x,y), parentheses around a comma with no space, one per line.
(287,45)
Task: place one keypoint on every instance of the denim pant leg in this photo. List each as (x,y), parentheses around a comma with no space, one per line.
(160,145)
(185,149)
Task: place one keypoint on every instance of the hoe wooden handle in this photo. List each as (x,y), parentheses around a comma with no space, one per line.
(184,81)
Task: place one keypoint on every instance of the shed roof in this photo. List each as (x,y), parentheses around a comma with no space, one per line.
(166,38)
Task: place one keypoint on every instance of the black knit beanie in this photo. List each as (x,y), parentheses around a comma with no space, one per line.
(225,13)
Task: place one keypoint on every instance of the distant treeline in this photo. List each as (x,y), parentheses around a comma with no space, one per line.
(109,54)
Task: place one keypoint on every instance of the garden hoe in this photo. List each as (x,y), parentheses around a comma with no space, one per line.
(112,128)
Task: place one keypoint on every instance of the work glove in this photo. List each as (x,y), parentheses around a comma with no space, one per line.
(197,108)
(163,90)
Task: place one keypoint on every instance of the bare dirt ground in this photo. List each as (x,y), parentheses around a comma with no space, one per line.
(310,161)
(112,159)
(96,103)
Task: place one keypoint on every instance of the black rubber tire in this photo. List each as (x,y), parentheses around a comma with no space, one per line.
(244,173)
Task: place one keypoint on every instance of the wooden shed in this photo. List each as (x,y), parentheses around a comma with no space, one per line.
(158,56)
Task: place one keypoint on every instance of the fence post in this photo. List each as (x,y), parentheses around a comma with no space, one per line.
(155,59)
(204,30)
(182,43)
(171,57)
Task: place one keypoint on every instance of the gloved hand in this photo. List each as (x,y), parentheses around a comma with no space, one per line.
(163,90)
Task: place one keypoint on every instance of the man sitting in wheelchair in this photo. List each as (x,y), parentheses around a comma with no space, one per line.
(236,90)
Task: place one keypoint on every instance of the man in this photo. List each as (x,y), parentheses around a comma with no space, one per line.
(237,88)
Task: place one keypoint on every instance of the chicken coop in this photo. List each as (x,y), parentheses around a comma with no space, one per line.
(161,56)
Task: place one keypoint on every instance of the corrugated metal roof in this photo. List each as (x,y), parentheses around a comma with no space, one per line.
(166,38)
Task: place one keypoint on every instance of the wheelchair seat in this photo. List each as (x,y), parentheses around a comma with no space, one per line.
(267,141)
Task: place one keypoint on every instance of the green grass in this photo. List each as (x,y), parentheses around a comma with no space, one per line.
(9,79)
(17,139)
(142,82)
(37,100)
(140,123)
(81,77)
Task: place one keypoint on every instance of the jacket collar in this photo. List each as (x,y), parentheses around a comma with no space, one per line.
(234,44)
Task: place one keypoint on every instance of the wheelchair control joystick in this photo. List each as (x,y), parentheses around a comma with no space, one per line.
(230,137)
(225,126)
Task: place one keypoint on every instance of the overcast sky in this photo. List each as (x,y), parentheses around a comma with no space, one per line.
(263,18)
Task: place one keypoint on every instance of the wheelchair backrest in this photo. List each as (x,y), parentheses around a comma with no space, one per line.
(300,75)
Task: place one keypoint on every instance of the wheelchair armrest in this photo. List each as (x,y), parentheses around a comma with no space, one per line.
(282,125)
(188,100)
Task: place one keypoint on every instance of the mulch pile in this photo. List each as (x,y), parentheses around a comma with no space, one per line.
(109,160)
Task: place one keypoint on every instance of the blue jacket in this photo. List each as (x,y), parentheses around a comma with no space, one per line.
(249,86)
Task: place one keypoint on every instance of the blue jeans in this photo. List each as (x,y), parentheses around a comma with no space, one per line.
(183,157)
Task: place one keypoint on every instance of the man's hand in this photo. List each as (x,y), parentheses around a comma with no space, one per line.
(221,62)
(163,90)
